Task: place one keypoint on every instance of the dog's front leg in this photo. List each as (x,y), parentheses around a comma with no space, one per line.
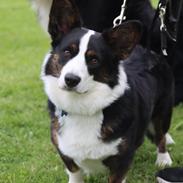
(73,171)
(116,179)
(119,166)
(75,175)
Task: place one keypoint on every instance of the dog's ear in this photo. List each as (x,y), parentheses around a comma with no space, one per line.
(123,38)
(63,17)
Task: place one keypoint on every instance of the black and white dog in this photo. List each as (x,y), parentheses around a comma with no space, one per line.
(105,93)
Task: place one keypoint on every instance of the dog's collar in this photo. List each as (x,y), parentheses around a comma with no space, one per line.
(63,113)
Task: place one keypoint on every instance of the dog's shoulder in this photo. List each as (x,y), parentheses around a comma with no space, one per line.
(146,65)
(141,60)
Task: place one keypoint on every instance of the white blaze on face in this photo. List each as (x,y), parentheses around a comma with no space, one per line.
(77,66)
(89,96)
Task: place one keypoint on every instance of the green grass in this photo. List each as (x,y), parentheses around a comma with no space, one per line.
(26,153)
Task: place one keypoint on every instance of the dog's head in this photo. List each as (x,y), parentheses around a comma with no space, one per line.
(84,72)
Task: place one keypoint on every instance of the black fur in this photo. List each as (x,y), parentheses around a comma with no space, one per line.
(150,79)
(177,59)
(150,98)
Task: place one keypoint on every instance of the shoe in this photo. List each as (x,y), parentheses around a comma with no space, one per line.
(170,175)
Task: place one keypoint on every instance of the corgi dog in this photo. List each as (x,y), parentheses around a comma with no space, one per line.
(105,94)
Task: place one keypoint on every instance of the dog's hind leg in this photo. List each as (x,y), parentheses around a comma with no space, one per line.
(161,140)
(163,157)
(161,123)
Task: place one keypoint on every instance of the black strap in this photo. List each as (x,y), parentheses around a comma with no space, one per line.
(174,11)
(152,27)
(165,34)
(164,41)
(161,3)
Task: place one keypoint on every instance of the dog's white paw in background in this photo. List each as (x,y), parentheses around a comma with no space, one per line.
(75,177)
(42,8)
(163,159)
(124,181)
(169,139)
(160,180)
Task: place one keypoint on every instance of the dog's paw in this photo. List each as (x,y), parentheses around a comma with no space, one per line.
(169,139)
(124,181)
(163,159)
(75,181)
(75,177)
(160,180)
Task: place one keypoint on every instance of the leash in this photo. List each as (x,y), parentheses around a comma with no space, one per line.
(165,34)
(160,13)
(118,20)
(164,31)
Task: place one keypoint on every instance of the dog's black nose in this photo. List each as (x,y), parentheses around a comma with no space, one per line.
(72,80)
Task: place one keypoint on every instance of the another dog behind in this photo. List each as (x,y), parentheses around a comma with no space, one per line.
(106,92)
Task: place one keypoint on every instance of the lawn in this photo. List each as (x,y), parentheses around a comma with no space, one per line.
(26,153)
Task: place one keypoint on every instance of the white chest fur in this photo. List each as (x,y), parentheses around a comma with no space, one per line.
(79,139)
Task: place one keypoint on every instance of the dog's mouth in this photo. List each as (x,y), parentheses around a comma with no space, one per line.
(74,90)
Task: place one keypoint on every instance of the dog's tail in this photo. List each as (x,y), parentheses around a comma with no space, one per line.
(42,8)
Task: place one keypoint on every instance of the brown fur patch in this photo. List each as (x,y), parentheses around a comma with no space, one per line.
(91,53)
(123,38)
(103,76)
(54,130)
(106,131)
(53,66)
(74,47)
(118,167)
(115,179)
(162,145)
(70,164)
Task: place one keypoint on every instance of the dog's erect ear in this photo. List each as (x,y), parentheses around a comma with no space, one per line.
(123,38)
(64,16)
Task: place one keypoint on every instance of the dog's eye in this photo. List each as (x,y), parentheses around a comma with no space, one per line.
(67,54)
(92,59)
